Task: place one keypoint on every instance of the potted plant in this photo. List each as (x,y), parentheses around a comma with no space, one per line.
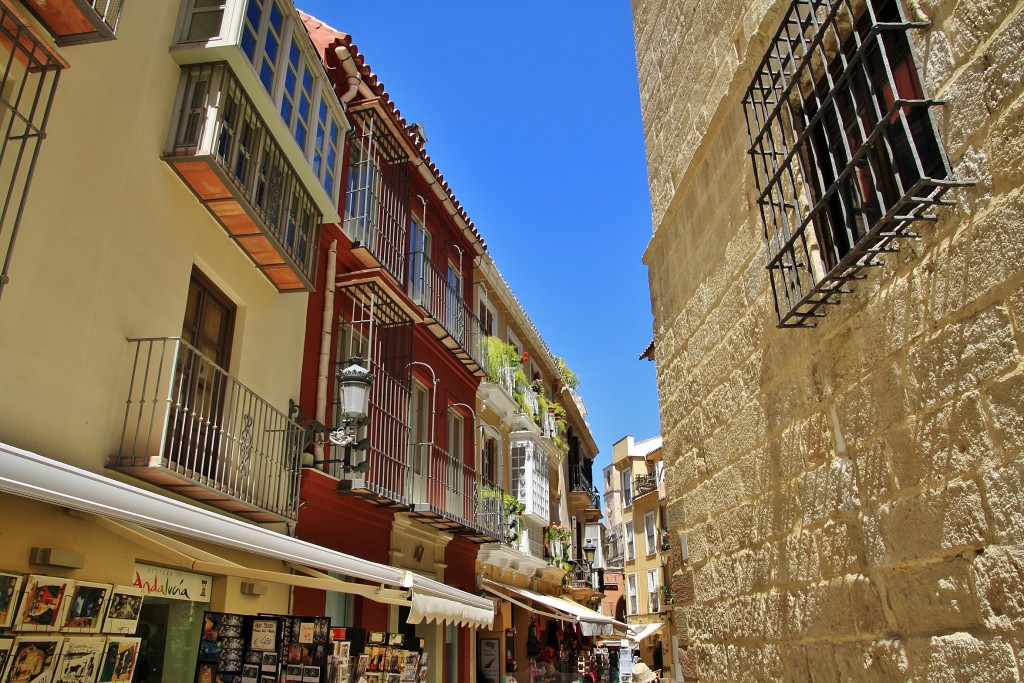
(569,378)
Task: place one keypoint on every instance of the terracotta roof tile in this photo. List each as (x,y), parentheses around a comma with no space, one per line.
(326,38)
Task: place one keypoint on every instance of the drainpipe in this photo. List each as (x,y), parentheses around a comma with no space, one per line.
(351,72)
(325,345)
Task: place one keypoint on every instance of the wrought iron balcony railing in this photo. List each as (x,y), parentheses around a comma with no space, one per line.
(491,514)
(441,297)
(502,373)
(225,153)
(644,484)
(582,575)
(192,427)
(530,402)
(447,494)
(549,424)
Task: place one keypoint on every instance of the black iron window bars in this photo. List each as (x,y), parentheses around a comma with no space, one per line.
(845,151)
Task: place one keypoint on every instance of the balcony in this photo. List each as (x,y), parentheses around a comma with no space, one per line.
(583,495)
(377,196)
(644,484)
(371,314)
(224,151)
(191,427)
(447,497)
(500,387)
(449,315)
(77,21)
(582,581)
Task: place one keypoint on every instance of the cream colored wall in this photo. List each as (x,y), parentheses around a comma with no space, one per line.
(111,558)
(105,252)
(852,493)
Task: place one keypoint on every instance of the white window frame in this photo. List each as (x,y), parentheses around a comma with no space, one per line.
(421,241)
(626,479)
(650,533)
(325,158)
(419,421)
(653,590)
(632,599)
(191,11)
(528,478)
(630,541)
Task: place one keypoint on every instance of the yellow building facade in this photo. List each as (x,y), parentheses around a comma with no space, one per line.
(641,495)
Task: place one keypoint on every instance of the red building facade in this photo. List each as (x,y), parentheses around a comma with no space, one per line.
(394,289)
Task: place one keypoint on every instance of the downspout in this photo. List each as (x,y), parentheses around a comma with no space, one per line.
(325,345)
(351,72)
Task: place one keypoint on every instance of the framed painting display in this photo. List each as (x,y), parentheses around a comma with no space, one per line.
(5,649)
(119,658)
(123,610)
(32,658)
(43,603)
(87,603)
(10,591)
(80,659)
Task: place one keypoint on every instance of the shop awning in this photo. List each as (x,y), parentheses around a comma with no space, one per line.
(592,622)
(638,632)
(30,475)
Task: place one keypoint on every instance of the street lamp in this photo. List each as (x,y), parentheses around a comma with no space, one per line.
(354,384)
(354,389)
(589,551)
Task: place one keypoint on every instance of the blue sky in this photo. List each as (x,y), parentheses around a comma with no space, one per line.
(532,113)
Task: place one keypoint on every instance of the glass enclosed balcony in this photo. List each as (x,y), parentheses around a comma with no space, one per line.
(267,49)
(224,151)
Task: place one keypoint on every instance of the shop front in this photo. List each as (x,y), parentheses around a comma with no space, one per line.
(102,576)
(556,638)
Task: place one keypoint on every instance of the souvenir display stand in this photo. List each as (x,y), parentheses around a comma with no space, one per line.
(58,630)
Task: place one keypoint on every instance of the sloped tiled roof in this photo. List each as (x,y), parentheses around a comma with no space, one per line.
(326,38)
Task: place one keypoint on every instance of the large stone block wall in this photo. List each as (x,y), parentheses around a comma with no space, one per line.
(853,494)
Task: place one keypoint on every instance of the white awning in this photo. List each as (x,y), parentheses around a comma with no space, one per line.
(592,622)
(638,632)
(430,608)
(30,475)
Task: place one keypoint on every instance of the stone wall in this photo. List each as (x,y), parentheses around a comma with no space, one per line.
(852,494)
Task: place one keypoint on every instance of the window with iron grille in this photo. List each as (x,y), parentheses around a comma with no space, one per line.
(30,71)
(845,150)
(377,194)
